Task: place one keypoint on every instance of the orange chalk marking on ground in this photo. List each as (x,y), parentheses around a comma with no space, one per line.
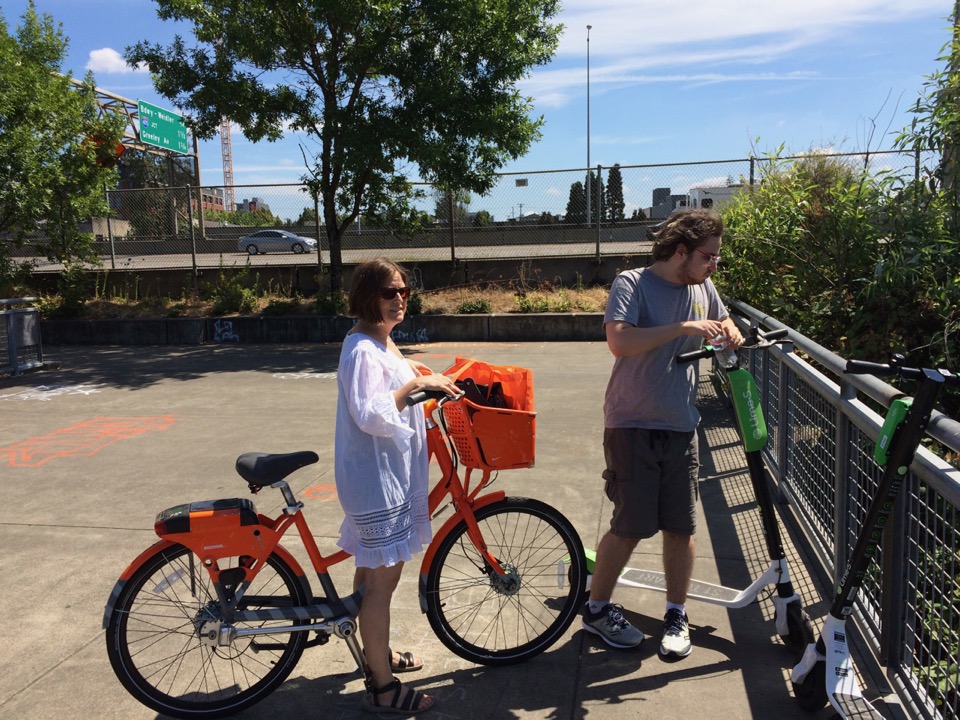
(323,493)
(81,440)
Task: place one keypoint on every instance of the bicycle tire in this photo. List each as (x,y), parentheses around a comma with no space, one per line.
(490,622)
(154,646)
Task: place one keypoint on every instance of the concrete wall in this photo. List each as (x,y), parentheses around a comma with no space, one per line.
(513,327)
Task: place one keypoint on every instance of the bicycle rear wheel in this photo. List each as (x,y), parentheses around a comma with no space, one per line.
(154,645)
(500,620)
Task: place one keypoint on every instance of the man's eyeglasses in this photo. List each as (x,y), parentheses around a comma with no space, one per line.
(709,256)
(391,292)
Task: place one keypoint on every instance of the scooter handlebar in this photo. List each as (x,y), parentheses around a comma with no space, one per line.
(863,367)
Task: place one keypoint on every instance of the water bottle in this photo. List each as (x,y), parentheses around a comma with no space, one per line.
(726,356)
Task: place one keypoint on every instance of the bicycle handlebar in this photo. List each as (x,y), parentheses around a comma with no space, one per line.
(755,339)
(424,395)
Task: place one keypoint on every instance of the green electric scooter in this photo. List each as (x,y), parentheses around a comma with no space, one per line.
(825,672)
(792,622)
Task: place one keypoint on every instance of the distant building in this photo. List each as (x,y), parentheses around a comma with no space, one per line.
(664,203)
(707,197)
(253,204)
(712,197)
(211,199)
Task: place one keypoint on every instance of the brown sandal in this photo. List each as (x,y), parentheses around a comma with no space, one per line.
(409,705)
(406,663)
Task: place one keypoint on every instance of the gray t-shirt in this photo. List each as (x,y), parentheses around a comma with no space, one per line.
(651,390)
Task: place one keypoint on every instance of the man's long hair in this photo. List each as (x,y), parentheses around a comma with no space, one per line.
(690,227)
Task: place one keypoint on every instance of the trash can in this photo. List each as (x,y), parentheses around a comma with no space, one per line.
(19,336)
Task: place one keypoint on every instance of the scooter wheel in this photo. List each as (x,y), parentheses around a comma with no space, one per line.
(799,628)
(812,692)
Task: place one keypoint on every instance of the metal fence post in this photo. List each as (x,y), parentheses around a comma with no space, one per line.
(113,261)
(599,206)
(193,238)
(453,236)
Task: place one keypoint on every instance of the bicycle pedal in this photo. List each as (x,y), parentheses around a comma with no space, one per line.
(322,638)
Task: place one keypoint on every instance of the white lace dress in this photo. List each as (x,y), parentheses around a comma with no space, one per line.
(380,457)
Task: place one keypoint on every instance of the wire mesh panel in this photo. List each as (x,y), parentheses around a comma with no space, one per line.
(931,603)
(862,479)
(811,456)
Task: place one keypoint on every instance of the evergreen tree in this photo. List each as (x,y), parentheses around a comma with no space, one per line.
(614,205)
(576,205)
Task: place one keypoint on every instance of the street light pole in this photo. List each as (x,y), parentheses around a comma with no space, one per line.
(589,185)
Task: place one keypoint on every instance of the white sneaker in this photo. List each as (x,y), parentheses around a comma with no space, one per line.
(676,634)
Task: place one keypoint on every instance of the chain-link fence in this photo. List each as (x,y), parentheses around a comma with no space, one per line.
(525,215)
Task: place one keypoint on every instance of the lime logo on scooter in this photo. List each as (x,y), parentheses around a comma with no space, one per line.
(746,401)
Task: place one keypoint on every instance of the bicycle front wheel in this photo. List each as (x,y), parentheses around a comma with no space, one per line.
(154,645)
(495,619)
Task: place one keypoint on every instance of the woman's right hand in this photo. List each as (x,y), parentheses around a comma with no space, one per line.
(438,381)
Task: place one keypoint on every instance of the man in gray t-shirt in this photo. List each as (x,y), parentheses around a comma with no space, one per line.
(650,419)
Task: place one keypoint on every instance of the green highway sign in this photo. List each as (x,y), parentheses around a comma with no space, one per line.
(162,128)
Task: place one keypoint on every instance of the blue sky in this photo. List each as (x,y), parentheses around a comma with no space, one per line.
(669,81)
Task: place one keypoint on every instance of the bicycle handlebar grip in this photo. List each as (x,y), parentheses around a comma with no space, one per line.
(424,395)
(694,355)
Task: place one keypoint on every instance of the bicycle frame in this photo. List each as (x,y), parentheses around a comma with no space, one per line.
(235,531)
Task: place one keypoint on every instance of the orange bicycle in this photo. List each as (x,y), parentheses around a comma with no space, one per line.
(215,615)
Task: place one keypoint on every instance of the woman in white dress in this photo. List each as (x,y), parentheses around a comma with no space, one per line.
(381,469)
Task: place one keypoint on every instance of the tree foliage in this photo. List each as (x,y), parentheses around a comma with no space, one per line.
(382,86)
(615,205)
(576,211)
(57,155)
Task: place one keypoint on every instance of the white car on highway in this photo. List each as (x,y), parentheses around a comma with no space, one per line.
(264,241)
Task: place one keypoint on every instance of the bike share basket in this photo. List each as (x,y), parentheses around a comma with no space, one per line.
(493,427)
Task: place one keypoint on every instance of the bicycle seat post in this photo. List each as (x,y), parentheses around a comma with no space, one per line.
(293,505)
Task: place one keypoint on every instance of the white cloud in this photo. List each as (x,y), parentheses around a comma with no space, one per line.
(108,60)
(634,42)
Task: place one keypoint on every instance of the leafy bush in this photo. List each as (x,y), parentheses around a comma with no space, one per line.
(532,303)
(231,294)
(474,306)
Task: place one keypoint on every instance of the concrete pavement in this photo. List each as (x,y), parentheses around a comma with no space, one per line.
(91,451)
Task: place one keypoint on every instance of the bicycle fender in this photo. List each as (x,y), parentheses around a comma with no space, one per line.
(132,568)
(445,530)
(128,573)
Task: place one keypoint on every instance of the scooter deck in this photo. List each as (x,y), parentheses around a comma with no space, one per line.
(854,707)
(699,590)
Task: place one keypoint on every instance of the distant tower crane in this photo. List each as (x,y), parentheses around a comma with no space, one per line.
(227,154)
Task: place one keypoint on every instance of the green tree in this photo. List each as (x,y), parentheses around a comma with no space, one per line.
(154,211)
(802,243)
(56,155)
(597,205)
(382,86)
(444,201)
(482,218)
(614,206)
(576,211)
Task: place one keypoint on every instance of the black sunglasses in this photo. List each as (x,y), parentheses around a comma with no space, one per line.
(391,292)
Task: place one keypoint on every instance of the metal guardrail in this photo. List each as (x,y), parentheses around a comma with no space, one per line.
(19,336)
(822,426)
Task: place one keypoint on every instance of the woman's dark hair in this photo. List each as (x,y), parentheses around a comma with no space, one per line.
(690,227)
(368,280)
